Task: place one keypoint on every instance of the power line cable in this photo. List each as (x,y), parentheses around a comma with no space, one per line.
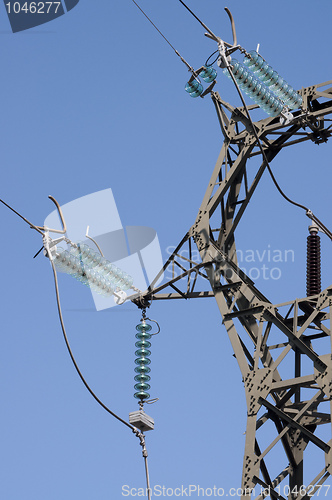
(72,355)
(167,41)
(210,33)
(198,19)
(139,434)
(40,229)
(26,220)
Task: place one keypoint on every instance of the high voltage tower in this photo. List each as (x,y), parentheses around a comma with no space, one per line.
(265,337)
(280,348)
(255,326)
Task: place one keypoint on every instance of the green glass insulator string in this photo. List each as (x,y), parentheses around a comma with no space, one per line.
(194,87)
(269,77)
(255,89)
(92,269)
(142,361)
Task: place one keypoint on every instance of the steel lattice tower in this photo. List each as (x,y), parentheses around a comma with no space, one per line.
(255,326)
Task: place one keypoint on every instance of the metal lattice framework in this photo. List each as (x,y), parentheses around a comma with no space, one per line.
(265,337)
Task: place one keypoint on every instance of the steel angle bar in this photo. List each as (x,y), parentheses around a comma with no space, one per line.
(178,291)
(177,278)
(283,474)
(316,483)
(299,381)
(263,466)
(244,312)
(236,168)
(294,340)
(169,260)
(191,295)
(293,423)
(318,397)
(271,491)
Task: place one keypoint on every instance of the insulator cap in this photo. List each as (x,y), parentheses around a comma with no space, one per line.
(142,378)
(208,74)
(143,327)
(141,395)
(142,369)
(194,88)
(143,344)
(142,361)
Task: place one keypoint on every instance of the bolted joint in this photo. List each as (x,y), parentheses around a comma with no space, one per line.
(142,302)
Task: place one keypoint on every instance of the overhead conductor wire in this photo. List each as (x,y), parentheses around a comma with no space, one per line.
(213,36)
(25,220)
(166,40)
(73,358)
(139,434)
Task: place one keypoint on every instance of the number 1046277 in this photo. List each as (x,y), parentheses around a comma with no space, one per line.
(33,7)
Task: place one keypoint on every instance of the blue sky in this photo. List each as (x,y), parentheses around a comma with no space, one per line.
(96,100)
